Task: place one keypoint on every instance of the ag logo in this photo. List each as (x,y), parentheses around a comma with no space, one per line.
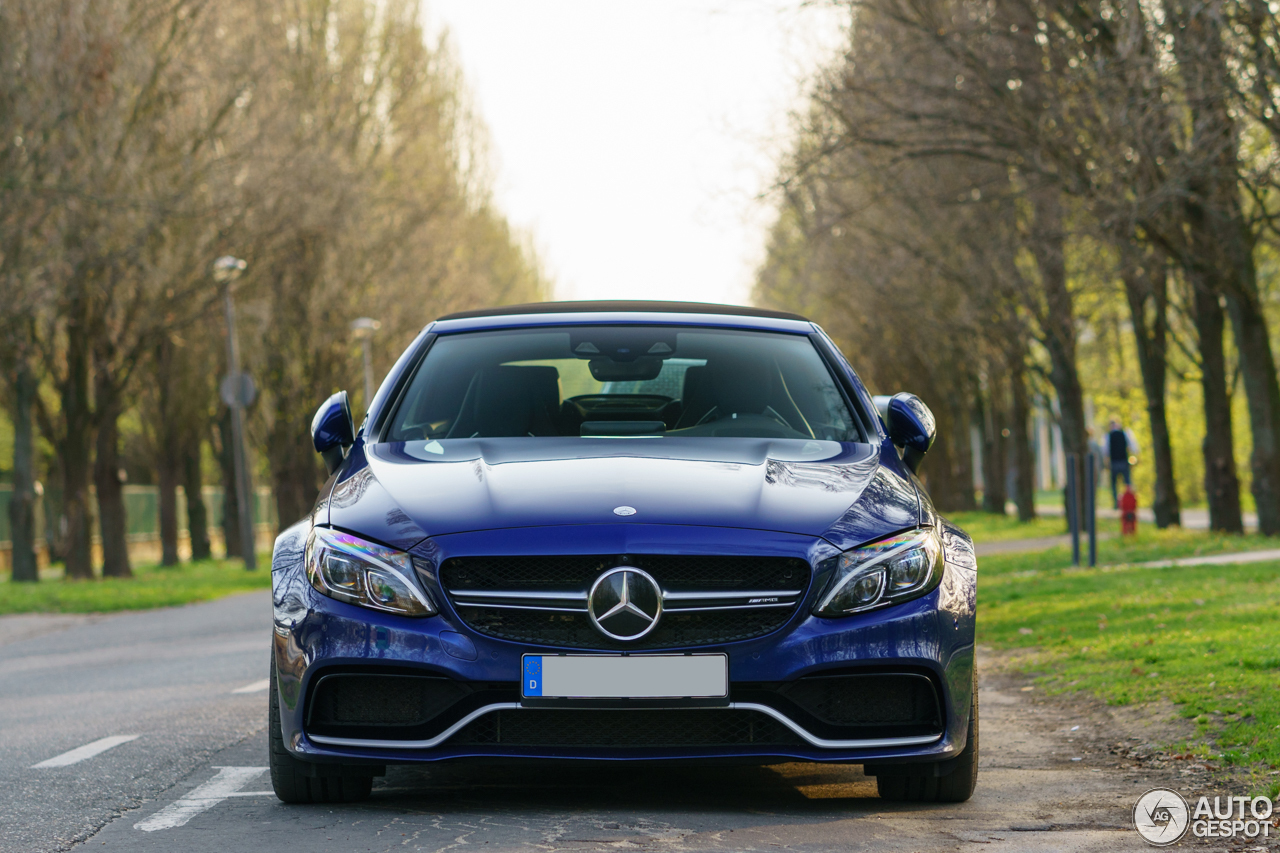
(1161,816)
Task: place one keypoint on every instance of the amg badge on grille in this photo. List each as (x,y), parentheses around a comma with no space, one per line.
(625,603)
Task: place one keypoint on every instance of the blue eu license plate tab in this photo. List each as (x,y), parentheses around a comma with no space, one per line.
(625,676)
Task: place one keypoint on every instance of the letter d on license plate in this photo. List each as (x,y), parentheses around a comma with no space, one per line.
(625,677)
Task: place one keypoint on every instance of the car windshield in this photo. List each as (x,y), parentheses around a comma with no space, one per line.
(622,382)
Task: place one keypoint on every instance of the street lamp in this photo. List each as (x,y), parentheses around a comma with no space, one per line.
(237,392)
(363,328)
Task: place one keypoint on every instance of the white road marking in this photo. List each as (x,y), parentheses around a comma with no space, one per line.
(256,687)
(80,753)
(227,783)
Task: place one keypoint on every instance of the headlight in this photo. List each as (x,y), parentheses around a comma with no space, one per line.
(885,572)
(350,569)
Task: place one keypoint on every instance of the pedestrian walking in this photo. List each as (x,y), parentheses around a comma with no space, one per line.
(1122,451)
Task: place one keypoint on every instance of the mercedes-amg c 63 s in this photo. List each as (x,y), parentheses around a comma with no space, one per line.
(623,532)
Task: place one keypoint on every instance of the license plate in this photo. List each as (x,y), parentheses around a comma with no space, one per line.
(626,677)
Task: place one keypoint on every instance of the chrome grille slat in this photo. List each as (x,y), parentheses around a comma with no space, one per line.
(681,596)
(787,604)
(526,594)
(501,605)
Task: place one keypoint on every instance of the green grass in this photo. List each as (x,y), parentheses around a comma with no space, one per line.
(151,586)
(1207,638)
(987,527)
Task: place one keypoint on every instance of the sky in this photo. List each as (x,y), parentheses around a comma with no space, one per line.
(631,139)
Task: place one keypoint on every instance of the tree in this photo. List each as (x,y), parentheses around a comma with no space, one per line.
(327,143)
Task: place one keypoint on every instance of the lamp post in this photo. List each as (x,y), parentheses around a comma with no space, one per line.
(237,393)
(363,328)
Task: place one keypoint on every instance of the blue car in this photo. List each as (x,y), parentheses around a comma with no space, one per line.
(623,531)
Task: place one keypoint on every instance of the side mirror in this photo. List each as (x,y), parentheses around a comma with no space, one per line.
(333,431)
(911,427)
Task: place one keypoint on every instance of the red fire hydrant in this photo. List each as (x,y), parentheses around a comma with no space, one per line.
(1128,512)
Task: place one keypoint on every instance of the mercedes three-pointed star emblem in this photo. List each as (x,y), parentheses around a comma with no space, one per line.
(625,603)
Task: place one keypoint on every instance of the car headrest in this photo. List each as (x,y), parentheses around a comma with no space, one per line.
(694,399)
(508,401)
(740,387)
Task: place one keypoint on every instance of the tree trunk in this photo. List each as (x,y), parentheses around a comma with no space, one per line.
(965,499)
(1220,239)
(168,476)
(1145,287)
(197,515)
(1258,367)
(1057,320)
(295,478)
(113,524)
(994,451)
(947,471)
(1024,480)
(1221,487)
(74,449)
(22,503)
(168,446)
(230,502)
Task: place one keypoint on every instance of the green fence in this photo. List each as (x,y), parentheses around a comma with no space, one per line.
(142,508)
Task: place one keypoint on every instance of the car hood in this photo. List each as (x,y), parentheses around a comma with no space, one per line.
(403,492)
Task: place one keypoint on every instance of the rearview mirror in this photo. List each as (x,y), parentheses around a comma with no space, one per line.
(333,431)
(641,370)
(911,426)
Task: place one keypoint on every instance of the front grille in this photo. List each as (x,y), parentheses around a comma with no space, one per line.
(713,727)
(707,600)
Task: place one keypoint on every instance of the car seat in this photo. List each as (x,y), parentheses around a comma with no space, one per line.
(509,401)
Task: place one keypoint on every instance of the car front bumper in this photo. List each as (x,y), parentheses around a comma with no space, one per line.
(932,636)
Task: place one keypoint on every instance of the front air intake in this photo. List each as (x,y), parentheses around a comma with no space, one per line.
(379,705)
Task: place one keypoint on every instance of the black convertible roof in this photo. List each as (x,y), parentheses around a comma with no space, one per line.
(617,306)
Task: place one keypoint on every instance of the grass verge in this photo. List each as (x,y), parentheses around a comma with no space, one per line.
(1206,638)
(151,586)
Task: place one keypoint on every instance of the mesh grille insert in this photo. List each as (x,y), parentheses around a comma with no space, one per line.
(621,729)
(866,700)
(380,700)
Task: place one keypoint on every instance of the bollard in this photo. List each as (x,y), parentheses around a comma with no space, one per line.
(1073,505)
(1091,504)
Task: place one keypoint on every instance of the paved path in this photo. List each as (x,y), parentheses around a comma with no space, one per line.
(1192,519)
(1236,558)
(148,747)
(1015,546)
(1042,543)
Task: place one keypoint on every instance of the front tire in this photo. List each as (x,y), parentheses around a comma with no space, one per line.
(293,780)
(956,787)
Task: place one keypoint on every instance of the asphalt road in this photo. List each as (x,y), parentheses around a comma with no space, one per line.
(194,779)
(164,675)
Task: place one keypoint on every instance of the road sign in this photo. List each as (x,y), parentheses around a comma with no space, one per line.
(248,392)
